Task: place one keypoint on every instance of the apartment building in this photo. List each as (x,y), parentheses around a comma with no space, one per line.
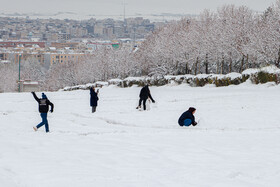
(14,44)
(52,58)
(43,57)
(70,45)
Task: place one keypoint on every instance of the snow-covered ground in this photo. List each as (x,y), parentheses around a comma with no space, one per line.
(235,144)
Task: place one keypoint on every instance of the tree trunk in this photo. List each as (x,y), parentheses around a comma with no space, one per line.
(247,61)
(217,69)
(230,63)
(176,68)
(242,64)
(187,71)
(222,65)
(206,64)
(199,67)
(195,67)
(278,60)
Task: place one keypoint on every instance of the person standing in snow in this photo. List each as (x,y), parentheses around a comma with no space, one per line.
(43,109)
(187,118)
(93,99)
(144,95)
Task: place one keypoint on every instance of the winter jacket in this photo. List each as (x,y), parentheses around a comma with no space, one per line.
(93,98)
(145,93)
(184,116)
(43,104)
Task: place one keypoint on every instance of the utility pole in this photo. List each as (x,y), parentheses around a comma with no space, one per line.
(19,72)
(124,10)
(124,21)
(134,37)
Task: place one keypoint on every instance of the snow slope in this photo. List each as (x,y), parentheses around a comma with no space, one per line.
(235,144)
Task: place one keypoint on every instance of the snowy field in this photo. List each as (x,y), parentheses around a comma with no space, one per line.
(236,143)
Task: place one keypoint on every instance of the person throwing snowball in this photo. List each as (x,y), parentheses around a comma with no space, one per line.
(43,109)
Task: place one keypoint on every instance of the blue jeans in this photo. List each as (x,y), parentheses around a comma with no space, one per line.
(187,122)
(44,122)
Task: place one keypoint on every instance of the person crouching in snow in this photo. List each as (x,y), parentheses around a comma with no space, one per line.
(144,95)
(93,99)
(187,118)
(43,109)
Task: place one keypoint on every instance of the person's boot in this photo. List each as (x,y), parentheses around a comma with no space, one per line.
(194,124)
(138,107)
(35,128)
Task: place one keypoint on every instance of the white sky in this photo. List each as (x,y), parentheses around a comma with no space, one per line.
(115,7)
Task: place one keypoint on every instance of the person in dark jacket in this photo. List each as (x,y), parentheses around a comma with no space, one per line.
(187,118)
(93,99)
(43,109)
(144,95)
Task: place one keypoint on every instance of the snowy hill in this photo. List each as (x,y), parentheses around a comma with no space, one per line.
(235,144)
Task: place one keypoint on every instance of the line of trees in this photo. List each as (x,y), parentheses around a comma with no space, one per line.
(231,39)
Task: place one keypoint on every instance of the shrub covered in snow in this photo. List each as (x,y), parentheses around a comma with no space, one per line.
(263,75)
(85,87)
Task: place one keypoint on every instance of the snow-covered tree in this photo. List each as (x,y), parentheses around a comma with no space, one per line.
(32,69)
(9,77)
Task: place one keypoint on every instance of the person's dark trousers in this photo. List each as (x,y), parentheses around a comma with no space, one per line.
(144,103)
(93,109)
(44,122)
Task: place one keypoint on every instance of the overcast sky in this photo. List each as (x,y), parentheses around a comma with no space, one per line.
(115,7)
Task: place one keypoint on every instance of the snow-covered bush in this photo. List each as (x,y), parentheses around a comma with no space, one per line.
(264,74)
(139,81)
(264,77)
(117,82)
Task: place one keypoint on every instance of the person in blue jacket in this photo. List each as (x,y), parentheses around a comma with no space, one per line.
(43,109)
(93,99)
(187,118)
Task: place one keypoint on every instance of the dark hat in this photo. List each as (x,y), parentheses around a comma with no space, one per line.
(44,96)
(192,109)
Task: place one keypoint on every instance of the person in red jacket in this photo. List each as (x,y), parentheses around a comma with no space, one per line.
(43,109)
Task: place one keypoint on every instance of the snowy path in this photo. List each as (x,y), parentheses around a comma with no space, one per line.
(236,143)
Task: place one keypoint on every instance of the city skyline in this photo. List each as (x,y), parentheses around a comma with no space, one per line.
(85,8)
